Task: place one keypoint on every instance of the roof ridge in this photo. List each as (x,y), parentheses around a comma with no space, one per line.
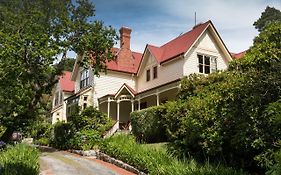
(187,32)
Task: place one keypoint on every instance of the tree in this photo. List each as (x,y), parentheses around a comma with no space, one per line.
(269,15)
(32,36)
(67,64)
(265,54)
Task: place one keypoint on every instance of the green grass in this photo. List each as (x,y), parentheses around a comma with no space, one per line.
(154,159)
(19,160)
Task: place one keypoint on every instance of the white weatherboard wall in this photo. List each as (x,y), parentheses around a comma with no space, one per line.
(167,72)
(110,83)
(206,44)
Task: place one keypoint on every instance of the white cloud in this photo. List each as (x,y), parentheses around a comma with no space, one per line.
(233,20)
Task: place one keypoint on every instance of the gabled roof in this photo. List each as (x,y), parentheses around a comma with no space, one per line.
(183,43)
(65,82)
(132,67)
(179,45)
(238,55)
(128,88)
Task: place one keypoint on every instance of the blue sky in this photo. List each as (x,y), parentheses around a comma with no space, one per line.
(158,21)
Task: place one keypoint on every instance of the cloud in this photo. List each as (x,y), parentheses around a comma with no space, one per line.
(157,21)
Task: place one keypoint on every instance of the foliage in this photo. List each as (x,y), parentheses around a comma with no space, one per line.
(63,132)
(32,38)
(19,160)
(224,120)
(147,125)
(45,141)
(85,139)
(265,54)
(67,64)
(83,131)
(2,130)
(156,161)
(269,16)
(275,169)
(91,119)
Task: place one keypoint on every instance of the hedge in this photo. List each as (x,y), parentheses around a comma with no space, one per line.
(147,124)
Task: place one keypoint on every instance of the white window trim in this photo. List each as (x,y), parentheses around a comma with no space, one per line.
(212,57)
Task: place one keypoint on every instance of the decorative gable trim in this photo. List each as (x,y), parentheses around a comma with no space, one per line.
(144,58)
(128,88)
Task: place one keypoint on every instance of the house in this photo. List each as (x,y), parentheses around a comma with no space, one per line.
(139,80)
(62,90)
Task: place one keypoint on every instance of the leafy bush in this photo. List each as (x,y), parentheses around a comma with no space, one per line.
(63,132)
(19,160)
(275,169)
(225,119)
(45,141)
(91,119)
(85,139)
(82,131)
(147,125)
(156,161)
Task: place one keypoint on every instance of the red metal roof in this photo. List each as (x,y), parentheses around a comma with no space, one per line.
(238,55)
(179,45)
(131,60)
(65,82)
(129,66)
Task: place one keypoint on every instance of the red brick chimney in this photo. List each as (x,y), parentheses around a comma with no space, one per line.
(125,56)
(125,36)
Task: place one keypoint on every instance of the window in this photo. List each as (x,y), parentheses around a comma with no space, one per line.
(84,79)
(204,64)
(57,98)
(84,105)
(148,75)
(155,72)
(214,66)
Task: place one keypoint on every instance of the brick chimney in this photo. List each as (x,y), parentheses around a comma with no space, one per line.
(125,36)
(125,57)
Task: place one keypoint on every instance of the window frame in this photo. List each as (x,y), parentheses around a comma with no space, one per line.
(155,73)
(148,77)
(84,78)
(204,66)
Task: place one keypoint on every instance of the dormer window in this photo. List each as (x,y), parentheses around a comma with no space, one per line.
(155,73)
(204,64)
(84,79)
(148,75)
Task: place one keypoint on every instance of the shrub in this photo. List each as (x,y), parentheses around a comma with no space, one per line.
(82,131)
(91,118)
(275,169)
(45,141)
(19,160)
(225,120)
(85,139)
(156,161)
(147,125)
(63,132)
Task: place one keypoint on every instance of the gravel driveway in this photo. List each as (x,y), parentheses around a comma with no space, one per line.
(64,163)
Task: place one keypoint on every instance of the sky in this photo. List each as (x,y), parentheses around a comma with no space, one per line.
(158,21)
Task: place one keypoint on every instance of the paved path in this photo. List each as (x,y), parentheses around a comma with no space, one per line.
(65,163)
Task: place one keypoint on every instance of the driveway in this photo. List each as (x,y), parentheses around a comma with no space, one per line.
(65,163)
